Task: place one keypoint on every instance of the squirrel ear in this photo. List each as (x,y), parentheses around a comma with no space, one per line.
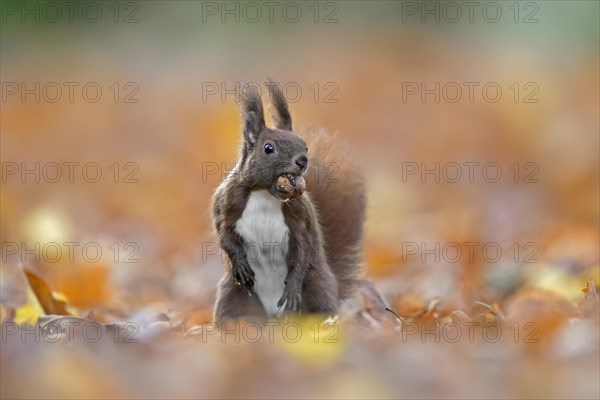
(253,119)
(278,106)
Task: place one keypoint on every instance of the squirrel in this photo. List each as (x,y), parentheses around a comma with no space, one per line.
(287,250)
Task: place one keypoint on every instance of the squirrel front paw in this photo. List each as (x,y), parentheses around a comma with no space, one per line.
(243,275)
(292,296)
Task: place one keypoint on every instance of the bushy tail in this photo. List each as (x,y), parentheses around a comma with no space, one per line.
(338,190)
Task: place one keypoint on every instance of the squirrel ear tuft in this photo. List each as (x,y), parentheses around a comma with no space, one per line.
(253,119)
(278,106)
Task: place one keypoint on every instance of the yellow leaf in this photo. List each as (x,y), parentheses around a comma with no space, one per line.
(548,277)
(30,311)
(312,340)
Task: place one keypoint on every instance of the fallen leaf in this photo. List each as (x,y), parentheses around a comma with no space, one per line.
(312,340)
(47,300)
(589,306)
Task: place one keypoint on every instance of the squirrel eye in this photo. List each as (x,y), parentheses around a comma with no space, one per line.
(269,148)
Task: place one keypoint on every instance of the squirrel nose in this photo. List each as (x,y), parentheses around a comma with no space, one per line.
(301,162)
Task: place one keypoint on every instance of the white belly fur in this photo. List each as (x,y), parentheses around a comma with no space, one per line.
(265,234)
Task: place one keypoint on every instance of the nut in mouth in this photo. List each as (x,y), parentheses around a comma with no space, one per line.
(290,186)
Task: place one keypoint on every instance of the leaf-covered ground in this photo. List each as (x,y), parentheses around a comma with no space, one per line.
(491,284)
(430,350)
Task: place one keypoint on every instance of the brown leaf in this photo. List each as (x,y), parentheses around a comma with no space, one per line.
(497,311)
(590,289)
(459,316)
(43,293)
(590,305)
(374,310)
(544,309)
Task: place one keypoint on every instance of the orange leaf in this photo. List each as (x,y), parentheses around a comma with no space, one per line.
(49,303)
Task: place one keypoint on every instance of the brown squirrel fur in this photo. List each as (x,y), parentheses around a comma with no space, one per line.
(299,254)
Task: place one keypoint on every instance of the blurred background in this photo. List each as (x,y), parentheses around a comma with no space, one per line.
(475,123)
